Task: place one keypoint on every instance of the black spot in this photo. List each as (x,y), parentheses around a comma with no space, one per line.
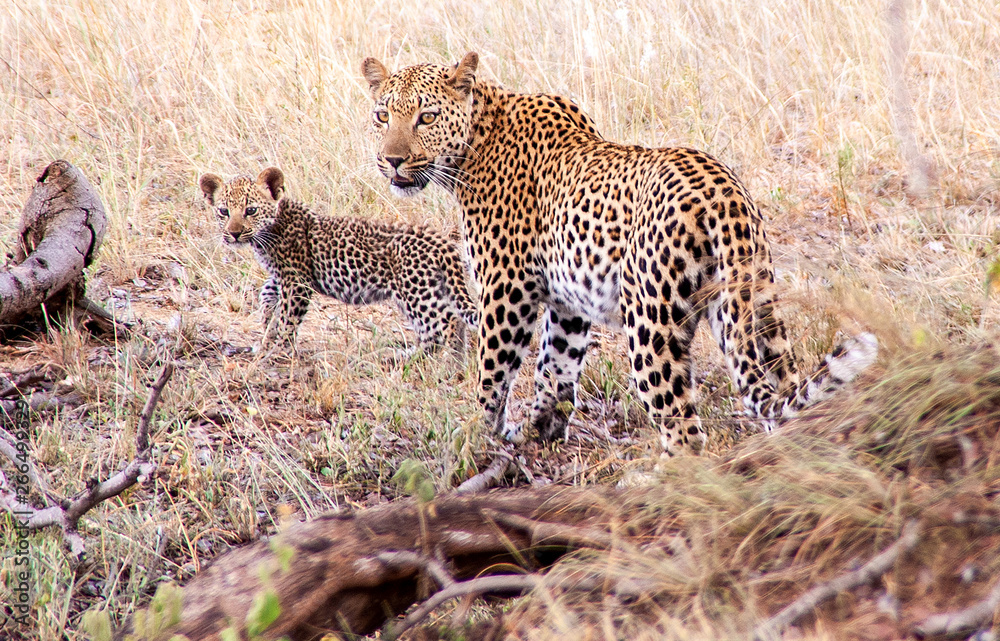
(658,343)
(679,385)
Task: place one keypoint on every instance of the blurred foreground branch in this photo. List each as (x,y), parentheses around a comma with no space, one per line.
(874,569)
(354,571)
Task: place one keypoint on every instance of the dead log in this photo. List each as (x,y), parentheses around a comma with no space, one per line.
(351,572)
(62,226)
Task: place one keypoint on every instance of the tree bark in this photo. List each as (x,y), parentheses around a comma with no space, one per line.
(351,572)
(62,226)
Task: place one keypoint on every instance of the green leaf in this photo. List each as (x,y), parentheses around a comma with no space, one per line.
(264,611)
(993,278)
(97,625)
(284,553)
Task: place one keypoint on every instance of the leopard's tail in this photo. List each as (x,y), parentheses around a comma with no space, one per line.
(838,368)
(764,368)
(757,350)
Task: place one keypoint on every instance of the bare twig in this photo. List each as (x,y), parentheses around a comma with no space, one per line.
(920,169)
(875,568)
(492,474)
(622,587)
(962,622)
(481,585)
(419,561)
(67,514)
(142,430)
(542,532)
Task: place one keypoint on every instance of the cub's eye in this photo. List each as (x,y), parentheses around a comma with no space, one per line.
(250,211)
(223,212)
(382,116)
(428,117)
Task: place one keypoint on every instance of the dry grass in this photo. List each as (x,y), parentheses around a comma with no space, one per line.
(146,97)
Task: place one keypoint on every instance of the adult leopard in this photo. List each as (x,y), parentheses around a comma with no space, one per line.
(652,239)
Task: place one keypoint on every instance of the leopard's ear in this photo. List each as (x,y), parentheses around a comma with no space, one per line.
(210,185)
(273,181)
(375,73)
(463,76)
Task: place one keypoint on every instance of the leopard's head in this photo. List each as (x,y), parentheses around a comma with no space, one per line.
(245,207)
(421,121)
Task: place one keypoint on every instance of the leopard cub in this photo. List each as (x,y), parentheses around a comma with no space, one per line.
(352,260)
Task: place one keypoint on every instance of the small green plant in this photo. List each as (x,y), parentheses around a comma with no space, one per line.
(413,478)
(96,624)
(164,611)
(845,175)
(264,611)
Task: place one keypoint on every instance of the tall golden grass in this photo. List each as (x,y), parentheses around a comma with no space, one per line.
(797,96)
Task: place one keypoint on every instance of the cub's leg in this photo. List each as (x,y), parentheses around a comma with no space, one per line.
(295,294)
(270,294)
(427,312)
(565,337)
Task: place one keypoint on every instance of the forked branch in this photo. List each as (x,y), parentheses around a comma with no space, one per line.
(66,514)
(875,568)
(963,622)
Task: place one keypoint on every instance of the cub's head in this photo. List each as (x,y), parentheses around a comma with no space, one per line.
(421,121)
(245,206)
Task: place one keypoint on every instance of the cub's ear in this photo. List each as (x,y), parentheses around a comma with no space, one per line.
(375,73)
(210,185)
(273,181)
(464,74)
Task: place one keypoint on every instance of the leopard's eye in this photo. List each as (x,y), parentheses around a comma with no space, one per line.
(428,117)
(382,116)
(250,211)
(223,212)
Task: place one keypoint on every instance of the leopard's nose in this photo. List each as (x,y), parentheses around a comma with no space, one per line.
(235,235)
(395,161)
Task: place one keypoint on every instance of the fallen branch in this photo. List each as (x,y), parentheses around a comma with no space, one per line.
(520,583)
(553,533)
(411,559)
(41,401)
(66,513)
(517,583)
(488,477)
(350,572)
(808,602)
(963,622)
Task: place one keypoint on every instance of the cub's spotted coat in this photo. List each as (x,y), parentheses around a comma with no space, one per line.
(355,261)
(652,239)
